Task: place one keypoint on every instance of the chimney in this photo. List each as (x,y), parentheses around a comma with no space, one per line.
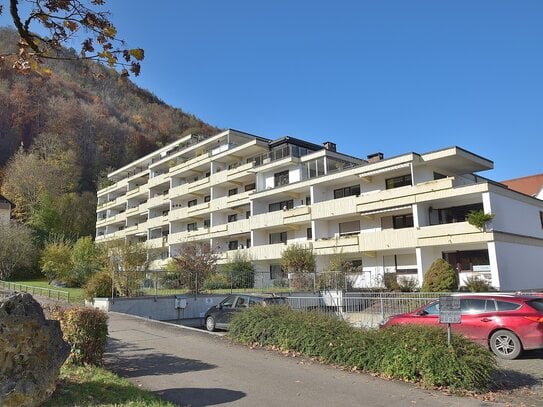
(329,145)
(373,158)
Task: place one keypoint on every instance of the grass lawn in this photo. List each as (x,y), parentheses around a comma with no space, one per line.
(76,294)
(93,386)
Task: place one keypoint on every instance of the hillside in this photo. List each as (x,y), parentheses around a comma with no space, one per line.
(105,121)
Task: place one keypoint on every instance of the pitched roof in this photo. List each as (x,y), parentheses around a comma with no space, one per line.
(3,199)
(530,185)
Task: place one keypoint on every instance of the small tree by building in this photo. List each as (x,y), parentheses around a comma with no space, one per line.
(299,262)
(56,262)
(240,271)
(440,277)
(194,264)
(17,251)
(128,263)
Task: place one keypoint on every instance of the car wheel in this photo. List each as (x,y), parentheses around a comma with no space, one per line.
(210,324)
(505,344)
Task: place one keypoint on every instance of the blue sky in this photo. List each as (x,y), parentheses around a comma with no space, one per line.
(389,76)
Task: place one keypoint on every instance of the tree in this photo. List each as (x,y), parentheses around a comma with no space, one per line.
(240,271)
(56,262)
(440,277)
(87,259)
(299,261)
(64,21)
(128,262)
(194,264)
(17,251)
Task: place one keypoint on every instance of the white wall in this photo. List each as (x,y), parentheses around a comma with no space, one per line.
(520,266)
(515,216)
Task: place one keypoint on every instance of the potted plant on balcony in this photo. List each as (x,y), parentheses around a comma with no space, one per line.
(479,219)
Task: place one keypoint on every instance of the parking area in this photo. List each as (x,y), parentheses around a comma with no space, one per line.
(520,381)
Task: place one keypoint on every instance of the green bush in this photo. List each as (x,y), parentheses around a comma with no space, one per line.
(391,282)
(240,271)
(98,285)
(440,277)
(475,284)
(85,330)
(216,281)
(413,353)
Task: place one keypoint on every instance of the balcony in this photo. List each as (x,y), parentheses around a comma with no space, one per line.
(387,239)
(301,214)
(181,165)
(157,222)
(158,200)
(239,199)
(451,233)
(267,252)
(239,227)
(239,170)
(266,220)
(179,190)
(335,245)
(159,179)
(199,184)
(334,207)
(198,209)
(158,242)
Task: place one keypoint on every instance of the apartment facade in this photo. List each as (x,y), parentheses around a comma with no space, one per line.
(241,192)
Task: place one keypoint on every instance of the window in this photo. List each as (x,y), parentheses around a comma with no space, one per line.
(507,306)
(233,245)
(250,187)
(280,237)
(192,227)
(541,218)
(277,206)
(248,243)
(276,272)
(193,202)
(437,175)
(232,191)
(280,178)
(472,306)
(247,214)
(397,182)
(228,302)
(232,218)
(207,198)
(452,214)
(207,223)
(349,228)
(465,260)
(402,221)
(242,302)
(347,191)
(308,200)
(309,233)
(208,174)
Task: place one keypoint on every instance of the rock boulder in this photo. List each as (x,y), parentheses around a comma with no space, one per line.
(31,352)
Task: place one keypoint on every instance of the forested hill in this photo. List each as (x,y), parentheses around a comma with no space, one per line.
(102,120)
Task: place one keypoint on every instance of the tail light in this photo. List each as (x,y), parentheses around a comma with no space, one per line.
(535,319)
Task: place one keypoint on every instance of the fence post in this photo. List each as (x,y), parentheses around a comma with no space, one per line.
(382,307)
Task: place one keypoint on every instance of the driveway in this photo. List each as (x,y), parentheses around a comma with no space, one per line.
(192,368)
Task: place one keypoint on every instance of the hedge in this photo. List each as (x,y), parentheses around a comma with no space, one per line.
(411,353)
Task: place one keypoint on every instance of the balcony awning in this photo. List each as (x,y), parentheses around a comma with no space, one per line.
(384,210)
(385,169)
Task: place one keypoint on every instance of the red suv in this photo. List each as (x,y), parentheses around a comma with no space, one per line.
(508,324)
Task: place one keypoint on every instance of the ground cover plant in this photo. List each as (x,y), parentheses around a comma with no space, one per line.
(412,353)
(86,386)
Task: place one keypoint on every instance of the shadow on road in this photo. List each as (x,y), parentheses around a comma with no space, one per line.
(200,397)
(506,379)
(137,361)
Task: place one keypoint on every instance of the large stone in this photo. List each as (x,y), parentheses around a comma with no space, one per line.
(31,352)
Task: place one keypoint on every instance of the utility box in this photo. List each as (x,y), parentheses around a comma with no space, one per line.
(180,303)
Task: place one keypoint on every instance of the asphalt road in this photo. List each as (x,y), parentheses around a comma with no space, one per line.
(192,368)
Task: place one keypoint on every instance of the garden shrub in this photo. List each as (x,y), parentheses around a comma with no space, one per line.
(98,285)
(85,330)
(413,353)
(216,281)
(477,285)
(440,277)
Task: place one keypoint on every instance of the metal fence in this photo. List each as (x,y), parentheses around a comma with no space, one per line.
(365,309)
(50,293)
(160,282)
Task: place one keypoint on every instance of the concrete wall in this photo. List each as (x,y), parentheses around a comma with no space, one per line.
(519,266)
(515,216)
(160,308)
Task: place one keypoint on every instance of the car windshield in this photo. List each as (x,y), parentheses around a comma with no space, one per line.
(278,300)
(536,304)
(432,309)
(228,301)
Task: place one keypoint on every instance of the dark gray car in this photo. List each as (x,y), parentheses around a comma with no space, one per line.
(219,315)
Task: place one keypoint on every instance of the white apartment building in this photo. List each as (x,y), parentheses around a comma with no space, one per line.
(240,192)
